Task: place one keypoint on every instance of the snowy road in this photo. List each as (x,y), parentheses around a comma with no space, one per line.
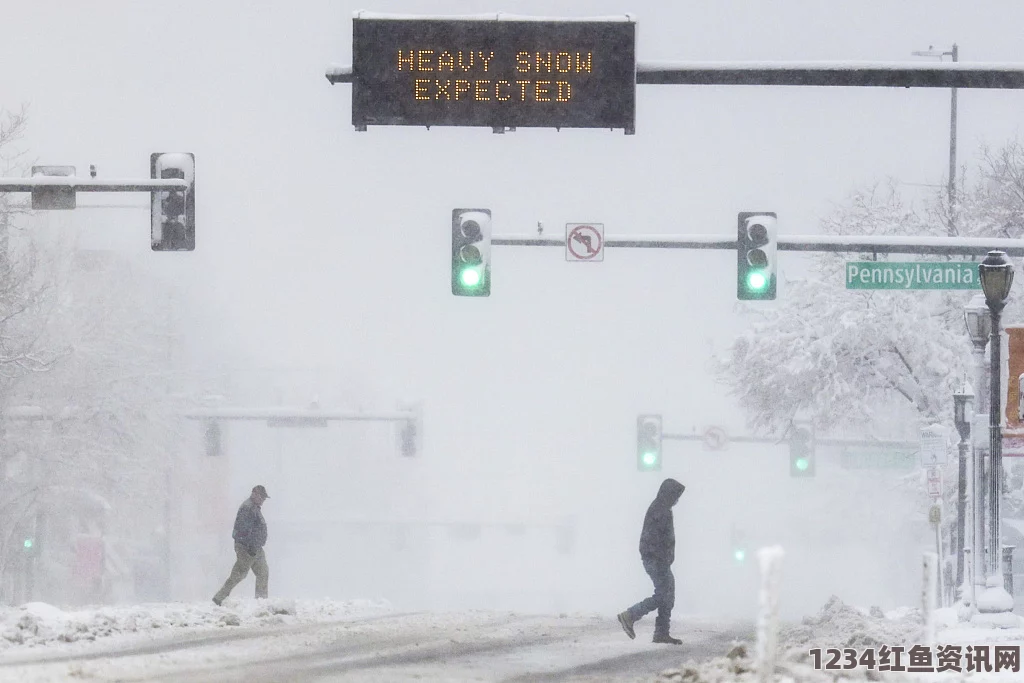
(458,646)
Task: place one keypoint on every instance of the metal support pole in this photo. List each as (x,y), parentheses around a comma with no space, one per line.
(978,480)
(952,149)
(961,512)
(995,457)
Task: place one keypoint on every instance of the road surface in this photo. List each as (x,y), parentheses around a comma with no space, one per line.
(425,646)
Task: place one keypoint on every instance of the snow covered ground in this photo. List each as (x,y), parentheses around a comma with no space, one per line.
(274,640)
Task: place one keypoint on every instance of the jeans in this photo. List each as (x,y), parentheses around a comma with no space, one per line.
(243,563)
(663,600)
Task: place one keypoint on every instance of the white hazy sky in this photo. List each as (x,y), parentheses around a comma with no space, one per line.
(327,247)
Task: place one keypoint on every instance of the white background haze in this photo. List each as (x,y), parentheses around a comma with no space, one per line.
(321,268)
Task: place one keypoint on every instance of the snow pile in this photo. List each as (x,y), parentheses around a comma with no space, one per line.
(738,667)
(38,623)
(840,625)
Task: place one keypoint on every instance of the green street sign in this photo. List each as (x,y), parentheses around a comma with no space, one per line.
(876,459)
(912,275)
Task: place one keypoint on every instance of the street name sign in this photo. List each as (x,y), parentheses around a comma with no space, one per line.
(563,73)
(912,275)
(877,459)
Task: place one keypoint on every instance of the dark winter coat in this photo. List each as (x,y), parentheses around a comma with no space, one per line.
(250,527)
(658,539)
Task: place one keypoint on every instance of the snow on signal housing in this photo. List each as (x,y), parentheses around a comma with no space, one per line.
(471,252)
(756,246)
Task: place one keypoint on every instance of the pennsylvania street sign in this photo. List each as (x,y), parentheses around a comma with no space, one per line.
(912,275)
(875,459)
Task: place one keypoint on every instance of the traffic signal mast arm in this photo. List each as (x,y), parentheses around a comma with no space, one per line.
(914,445)
(880,244)
(869,74)
(286,413)
(91,184)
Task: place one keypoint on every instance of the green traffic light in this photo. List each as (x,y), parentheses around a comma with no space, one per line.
(28,544)
(756,281)
(802,464)
(740,554)
(470,277)
(649,459)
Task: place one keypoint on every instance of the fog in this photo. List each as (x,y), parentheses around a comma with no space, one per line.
(321,273)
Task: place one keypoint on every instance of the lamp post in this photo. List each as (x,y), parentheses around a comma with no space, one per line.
(955,54)
(979,328)
(996,274)
(963,410)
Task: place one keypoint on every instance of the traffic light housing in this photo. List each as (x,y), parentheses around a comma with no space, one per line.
(757,243)
(173,212)
(471,252)
(801,452)
(213,438)
(648,443)
(739,546)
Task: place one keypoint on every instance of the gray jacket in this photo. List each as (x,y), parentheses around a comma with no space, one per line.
(250,527)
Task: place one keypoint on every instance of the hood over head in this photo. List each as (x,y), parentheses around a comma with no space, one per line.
(670,492)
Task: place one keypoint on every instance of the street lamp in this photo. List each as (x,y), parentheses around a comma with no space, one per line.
(963,409)
(996,273)
(955,54)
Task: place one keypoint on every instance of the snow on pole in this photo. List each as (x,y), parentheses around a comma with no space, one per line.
(928,585)
(770,561)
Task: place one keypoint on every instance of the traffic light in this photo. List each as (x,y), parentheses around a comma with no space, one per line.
(801,452)
(212,438)
(410,430)
(173,212)
(471,252)
(739,546)
(28,544)
(648,443)
(756,243)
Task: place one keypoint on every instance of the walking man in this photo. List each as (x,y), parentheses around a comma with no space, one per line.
(250,534)
(658,552)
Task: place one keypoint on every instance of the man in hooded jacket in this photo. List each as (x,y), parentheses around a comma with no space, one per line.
(658,552)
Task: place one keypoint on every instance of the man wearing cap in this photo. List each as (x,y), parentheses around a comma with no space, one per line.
(250,534)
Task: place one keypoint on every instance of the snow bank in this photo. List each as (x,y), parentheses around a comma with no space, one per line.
(37,623)
(840,625)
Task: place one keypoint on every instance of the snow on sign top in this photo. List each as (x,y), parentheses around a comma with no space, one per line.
(490,16)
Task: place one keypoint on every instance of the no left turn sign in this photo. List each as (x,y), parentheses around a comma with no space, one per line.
(584,241)
(716,438)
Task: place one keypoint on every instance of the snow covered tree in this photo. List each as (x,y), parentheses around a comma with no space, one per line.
(857,359)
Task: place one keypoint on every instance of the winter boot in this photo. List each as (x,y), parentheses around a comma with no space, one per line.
(666,639)
(627,624)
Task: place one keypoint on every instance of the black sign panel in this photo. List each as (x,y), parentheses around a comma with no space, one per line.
(456,72)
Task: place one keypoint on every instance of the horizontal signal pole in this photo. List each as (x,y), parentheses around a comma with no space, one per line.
(39,413)
(959,246)
(837,74)
(866,74)
(91,184)
(822,441)
(297,414)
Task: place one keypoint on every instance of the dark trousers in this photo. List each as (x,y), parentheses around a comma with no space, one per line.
(663,600)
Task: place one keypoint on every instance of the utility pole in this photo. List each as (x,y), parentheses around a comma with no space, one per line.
(951,189)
